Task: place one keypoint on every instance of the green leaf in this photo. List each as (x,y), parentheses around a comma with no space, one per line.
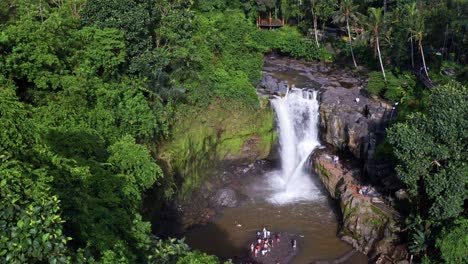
(45,237)
(20,223)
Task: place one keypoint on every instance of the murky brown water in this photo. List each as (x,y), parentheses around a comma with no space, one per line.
(313,223)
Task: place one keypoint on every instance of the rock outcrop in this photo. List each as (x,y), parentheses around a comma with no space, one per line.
(225,197)
(351,121)
(368,223)
(270,85)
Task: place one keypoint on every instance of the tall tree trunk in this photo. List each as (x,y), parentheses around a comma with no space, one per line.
(384,13)
(314,18)
(315,28)
(380,58)
(375,44)
(444,51)
(350,42)
(412,52)
(323,30)
(422,55)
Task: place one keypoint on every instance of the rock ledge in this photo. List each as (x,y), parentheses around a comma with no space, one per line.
(368,224)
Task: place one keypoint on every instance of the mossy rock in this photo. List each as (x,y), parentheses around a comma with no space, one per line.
(203,138)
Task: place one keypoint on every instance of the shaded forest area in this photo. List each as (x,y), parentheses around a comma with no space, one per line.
(90,90)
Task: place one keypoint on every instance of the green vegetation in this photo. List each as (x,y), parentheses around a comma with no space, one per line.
(93,93)
(430,148)
(288,41)
(220,133)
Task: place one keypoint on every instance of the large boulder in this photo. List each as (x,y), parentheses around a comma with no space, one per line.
(225,197)
(269,83)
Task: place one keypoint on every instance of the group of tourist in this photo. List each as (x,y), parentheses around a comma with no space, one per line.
(265,243)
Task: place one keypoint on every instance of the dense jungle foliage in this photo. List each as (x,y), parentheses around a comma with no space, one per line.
(90,90)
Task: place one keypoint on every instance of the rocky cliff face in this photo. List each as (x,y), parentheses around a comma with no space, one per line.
(351,121)
(368,224)
(356,123)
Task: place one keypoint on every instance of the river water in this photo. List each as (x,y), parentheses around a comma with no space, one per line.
(286,198)
(313,223)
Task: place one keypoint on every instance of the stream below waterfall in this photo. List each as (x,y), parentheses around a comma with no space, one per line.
(284,197)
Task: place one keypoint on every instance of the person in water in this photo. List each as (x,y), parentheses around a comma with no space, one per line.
(278,236)
(294,244)
(252,247)
(264,233)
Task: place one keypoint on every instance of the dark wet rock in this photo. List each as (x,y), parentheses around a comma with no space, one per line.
(353,122)
(349,120)
(269,84)
(225,197)
(282,87)
(369,224)
(307,75)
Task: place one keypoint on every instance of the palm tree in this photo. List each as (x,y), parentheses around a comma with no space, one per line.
(347,11)
(418,33)
(375,19)
(314,18)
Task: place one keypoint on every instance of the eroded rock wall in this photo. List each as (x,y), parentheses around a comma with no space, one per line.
(368,224)
(351,121)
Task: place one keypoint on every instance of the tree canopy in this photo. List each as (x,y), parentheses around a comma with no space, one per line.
(90,91)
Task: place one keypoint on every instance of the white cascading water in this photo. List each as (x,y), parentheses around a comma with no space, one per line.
(297,119)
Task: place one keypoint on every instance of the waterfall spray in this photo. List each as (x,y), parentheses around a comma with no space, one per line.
(297,120)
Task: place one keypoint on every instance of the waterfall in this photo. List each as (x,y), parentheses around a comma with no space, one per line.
(297,122)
